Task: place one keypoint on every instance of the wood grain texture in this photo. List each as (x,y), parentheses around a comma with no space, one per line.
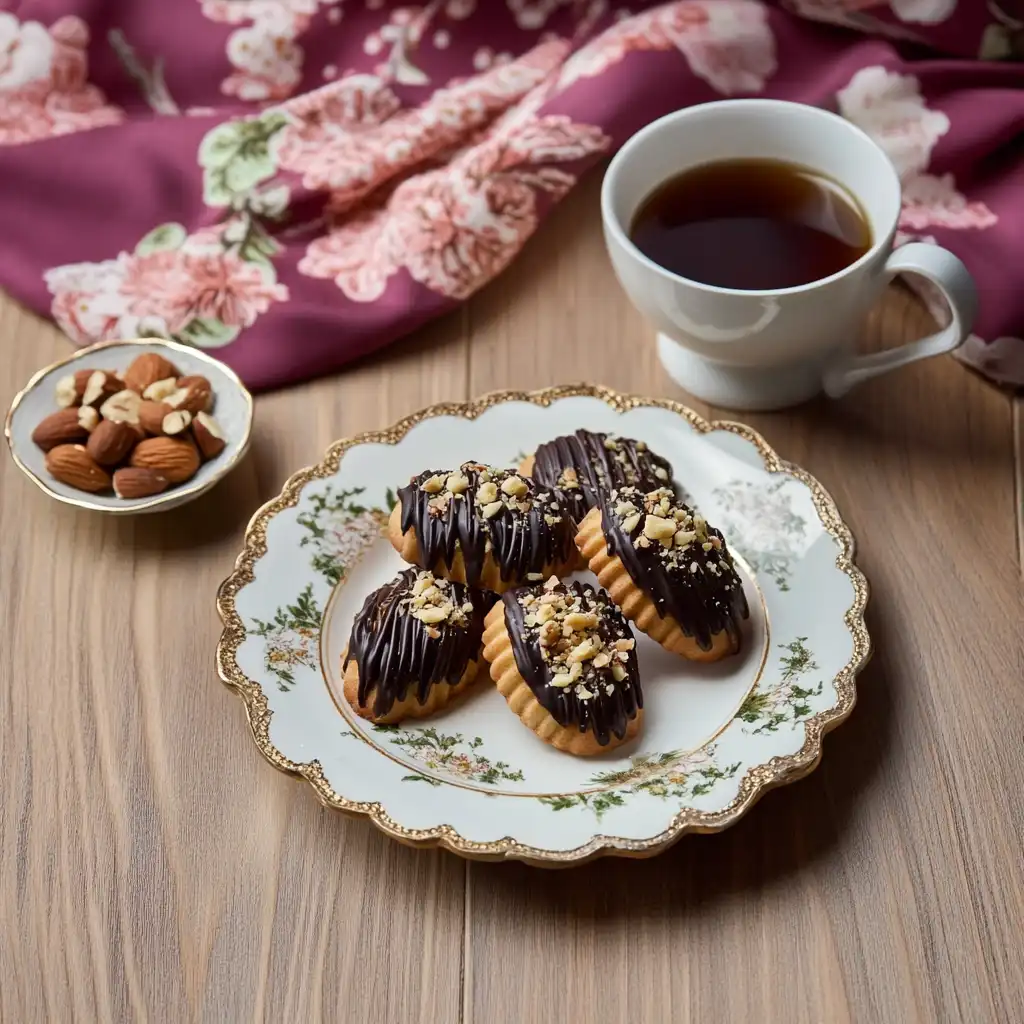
(887,886)
(153,867)
(1018,450)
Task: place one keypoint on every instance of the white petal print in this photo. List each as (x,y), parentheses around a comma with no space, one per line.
(923,12)
(890,108)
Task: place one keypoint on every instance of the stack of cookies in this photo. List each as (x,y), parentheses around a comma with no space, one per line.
(490,550)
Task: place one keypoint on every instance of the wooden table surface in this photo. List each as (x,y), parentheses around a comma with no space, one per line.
(154,867)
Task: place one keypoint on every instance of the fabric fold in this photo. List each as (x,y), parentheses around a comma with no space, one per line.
(295,183)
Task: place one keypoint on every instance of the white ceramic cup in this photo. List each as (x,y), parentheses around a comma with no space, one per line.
(770,349)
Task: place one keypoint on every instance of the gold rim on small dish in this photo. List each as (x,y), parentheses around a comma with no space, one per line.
(758,779)
(179,494)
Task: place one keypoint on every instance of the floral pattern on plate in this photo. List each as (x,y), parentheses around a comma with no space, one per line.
(760,523)
(675,775)
(789,702)
(451,755)
(339,529)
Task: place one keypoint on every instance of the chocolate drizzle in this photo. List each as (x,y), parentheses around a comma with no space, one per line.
(394,650)
(597,463)
(525,532)
(693,580)
(598,700)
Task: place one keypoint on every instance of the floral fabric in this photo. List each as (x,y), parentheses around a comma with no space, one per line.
(297,182)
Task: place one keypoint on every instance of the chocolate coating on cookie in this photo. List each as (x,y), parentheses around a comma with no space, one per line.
(584,465)
(680,562)
(576,652)
(415,631)
(479,510)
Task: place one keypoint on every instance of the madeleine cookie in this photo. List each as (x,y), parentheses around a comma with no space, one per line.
(583,465)
(669,572)
(564,659)
(489,528)
(414,647)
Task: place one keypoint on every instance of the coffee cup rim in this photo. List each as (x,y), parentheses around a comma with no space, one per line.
(614,226)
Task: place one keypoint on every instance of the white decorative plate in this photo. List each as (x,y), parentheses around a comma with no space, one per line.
(474,779)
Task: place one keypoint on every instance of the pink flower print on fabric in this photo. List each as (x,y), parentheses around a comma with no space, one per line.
(891,109)
(728,43)
(454,229)
(187,283)
(932,201)
(350,137)
(265,54)
(919,12)
(44,88)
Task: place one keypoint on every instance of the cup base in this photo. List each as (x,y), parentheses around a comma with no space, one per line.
(752,389)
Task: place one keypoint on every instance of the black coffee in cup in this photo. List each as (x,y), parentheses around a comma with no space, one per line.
(753,225)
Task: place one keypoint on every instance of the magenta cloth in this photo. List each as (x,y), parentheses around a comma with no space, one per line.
(294,183)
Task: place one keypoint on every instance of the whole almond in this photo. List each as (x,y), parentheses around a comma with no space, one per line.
(64,427)
(176,422)
(100,386)
(148,369)
(151,416)
(71,388)
(194,394)
(111,441)
(172,457)
(138,482)
(122,407)
(71,464)
(208,434)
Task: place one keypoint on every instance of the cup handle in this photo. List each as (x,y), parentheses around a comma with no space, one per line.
(951,277)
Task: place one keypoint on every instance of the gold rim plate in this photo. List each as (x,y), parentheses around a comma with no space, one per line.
(757,781)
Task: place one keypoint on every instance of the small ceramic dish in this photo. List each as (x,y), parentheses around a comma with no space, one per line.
(36,401)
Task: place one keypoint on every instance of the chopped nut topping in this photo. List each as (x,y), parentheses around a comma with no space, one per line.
(495,491)
(431,600)
(677,531)
(431,615)
(582,637)
(581,620)
(630,524)
(658,529)
(515,485)
(569,479)
(457,482)
(582,651)
(545,613)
